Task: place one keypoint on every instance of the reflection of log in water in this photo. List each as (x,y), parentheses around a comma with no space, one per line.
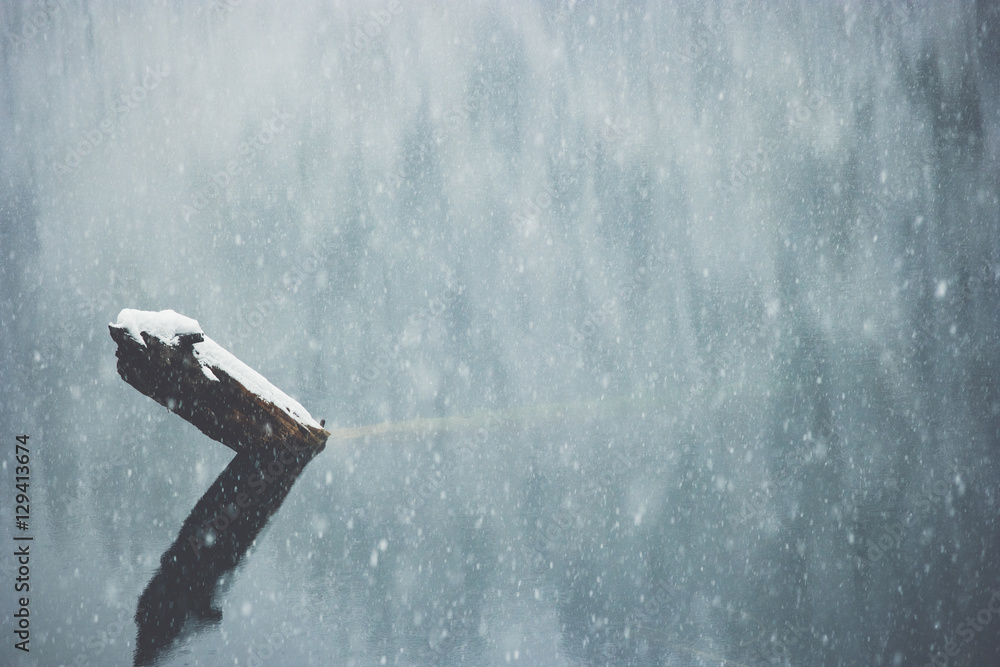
(168,357)
(211,543)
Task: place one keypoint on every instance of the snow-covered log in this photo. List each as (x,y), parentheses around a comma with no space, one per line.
(167,357)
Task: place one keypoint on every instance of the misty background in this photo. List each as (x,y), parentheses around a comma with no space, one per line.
(756,245)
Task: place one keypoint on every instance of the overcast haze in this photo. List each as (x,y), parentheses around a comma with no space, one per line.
(718,284)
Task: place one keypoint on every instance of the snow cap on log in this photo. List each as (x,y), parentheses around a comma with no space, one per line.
(168,357)
(168,326)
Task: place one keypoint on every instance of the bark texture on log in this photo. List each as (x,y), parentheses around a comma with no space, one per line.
(183,372)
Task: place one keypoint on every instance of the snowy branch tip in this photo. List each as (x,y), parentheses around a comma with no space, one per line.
(169,327)
(172,329)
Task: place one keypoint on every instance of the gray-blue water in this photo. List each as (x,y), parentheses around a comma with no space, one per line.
(719,282)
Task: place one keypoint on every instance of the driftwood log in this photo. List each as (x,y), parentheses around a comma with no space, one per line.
(169,358)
